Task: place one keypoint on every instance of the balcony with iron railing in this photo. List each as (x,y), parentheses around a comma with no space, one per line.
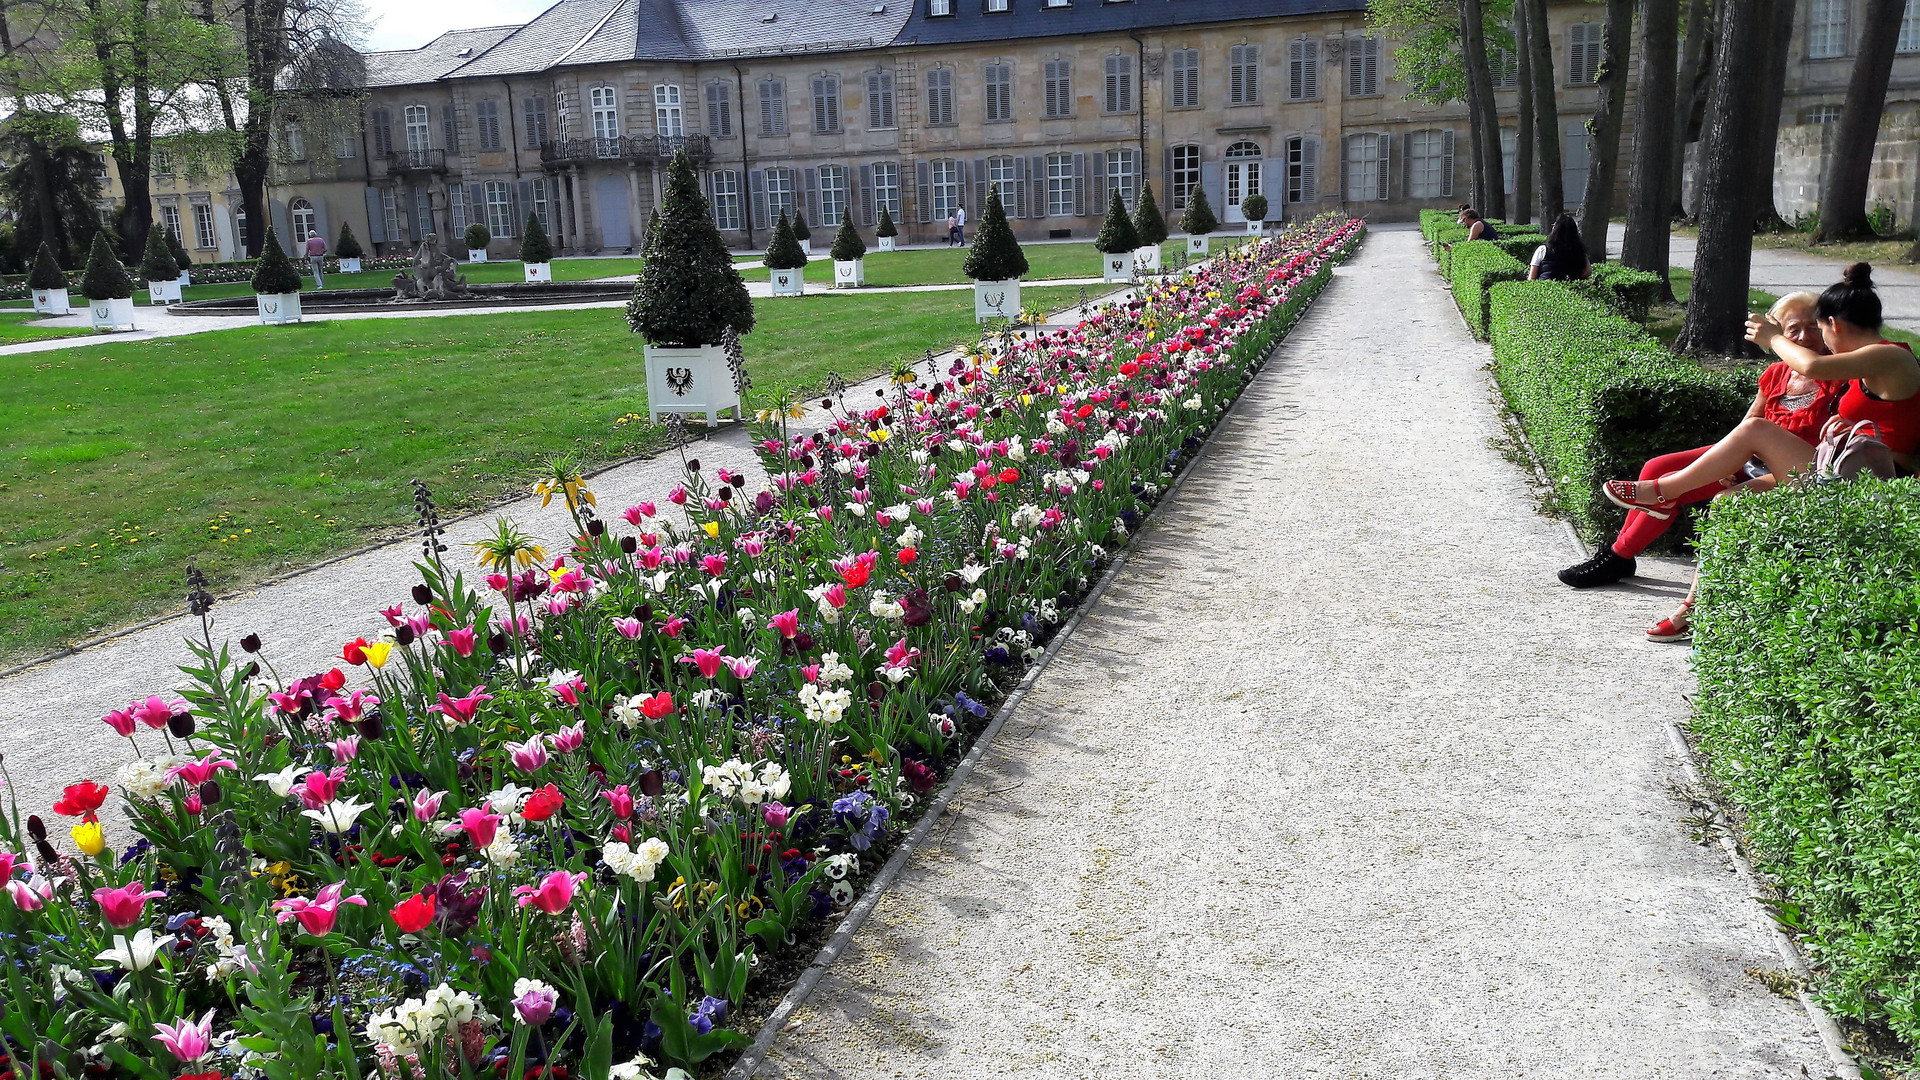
(647,148)
(417,161)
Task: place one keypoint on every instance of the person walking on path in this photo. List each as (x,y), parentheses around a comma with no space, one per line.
(960,226)
(316,254)
(953,229)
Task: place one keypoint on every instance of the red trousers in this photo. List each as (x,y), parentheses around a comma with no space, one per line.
(1642,528)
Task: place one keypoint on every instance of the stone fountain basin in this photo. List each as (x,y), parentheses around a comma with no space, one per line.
(516,294)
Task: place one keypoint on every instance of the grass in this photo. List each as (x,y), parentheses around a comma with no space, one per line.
(1882,251)
(1665,320)
(258,450)
(18,326)
(941,266)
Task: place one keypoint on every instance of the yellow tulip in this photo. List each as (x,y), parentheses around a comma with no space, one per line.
(712,528)
(377,653)
(88,837)
(879,435)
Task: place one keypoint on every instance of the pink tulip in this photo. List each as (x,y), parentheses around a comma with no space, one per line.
(742,667)
(552,894)
(678,496)
(345,749)
(836,595)
(499,583)
(290,703)
(121,721)
(714,565)
(420,624)
(199,772)
(462,641)
(673,627)
(426,804)
(320,788)
(349,708)
(461,710)
(536,1006)
(620,801)
(155,712)
(186,1039)
(752,546)
(776,814)
(629,628)
(31,894)
(316,916)
(529,756)
(122,907)
(810,672)
(707,660)
(651,559)
(8,858)
(479,823)
(569,691)
(787,623)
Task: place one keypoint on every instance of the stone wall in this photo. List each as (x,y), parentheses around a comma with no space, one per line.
(1801,160)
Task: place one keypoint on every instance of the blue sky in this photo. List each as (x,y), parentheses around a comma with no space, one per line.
(408,24)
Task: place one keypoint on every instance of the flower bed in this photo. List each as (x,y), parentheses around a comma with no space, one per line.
(576,810)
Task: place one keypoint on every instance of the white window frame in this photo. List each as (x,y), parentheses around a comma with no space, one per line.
(605,104)
(1184,175)
(996,6)
(457,208)
(346,145)
(1060,185)
(835,195)
(669,119)
(1118,99)
(826,104)
(417,121)
(1059,89)
(997,93)
(1363,66)
(1426,164)
(1827,29)
(301,213)
(886,189)
(1183,79)
(1909,29)
(389,214)
(1243,74)
(1824,115)
(499,197)
(537,187)
(1002,173)
(727,206)
(170,218)
(944,186)
(780,193)
(1123,173)
(937,8)
(205,236)
(940,97)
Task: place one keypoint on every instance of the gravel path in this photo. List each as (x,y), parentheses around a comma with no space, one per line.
(1335,781)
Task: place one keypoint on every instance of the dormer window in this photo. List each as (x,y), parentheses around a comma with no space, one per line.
(937,8)
(999,5)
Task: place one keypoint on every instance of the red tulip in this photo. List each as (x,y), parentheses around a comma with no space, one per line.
(414,913)
(543,804)
(81,800)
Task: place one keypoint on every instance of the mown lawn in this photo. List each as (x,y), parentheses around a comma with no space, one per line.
(18,326)
(941,266)
(1665,320)
(263,449)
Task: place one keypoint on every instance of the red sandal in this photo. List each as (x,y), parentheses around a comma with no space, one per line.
(1675,627)
(1641,495)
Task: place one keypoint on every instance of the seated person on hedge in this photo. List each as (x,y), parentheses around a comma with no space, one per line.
(1796,403)
(1477,229)
(1563,257)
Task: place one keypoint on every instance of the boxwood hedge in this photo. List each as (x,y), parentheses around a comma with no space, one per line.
(1521,245)
(1475,267)
(1597,396)
(1807,647)
(1626,290)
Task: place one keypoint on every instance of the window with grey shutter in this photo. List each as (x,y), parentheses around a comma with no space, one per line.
(1080,185)
(866,196)
(1363,67)
(1583,53)
(1303,70)
(487,124)
(826,105)
(999,93)
(381,121)
(923,189)
(810,202)
(534,109)
(939,97)
(1243,75)
(1183,79)
(719,110)
(1446,162)
(1059,89)
(879,100)
(757,196)
(980,186)
(1119,84)
(773,107)
(1097,184)
(449,129)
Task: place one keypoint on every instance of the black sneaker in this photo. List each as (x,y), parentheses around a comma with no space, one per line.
(1604,568)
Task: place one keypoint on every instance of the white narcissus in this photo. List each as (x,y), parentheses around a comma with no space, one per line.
(339,815)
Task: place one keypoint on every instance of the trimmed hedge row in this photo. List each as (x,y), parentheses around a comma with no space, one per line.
(1626,290)
(1521,245)
(1597,396)
(1475,267)
(1807,647)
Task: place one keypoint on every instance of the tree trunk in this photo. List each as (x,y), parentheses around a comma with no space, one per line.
(1688,91)
(1596,209)
(1546,114)
(1717,310)
(1523,133)
(1766,214)
(1843,191)
(1477,194)
(1649,196)
(1492,195)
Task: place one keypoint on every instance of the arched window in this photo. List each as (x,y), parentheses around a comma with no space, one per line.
(303,220)
(606,119)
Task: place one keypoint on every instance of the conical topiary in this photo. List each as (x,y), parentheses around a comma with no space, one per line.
(349,245)
(800,230)
(46,272)
(1199,219)
(847,245)
(887,227)
(105,278)
(1254,207)
(181,260)
(157,263)
(275,273)
(783,251)
(534,246)
(688,294)
(1147,222)
(995,254)
(1116,233)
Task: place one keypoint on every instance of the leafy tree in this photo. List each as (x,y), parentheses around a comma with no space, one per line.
(1442,57)
(478,237)
(349,245)
(1116,232)
(157,263)
(995,254)
(46,270)
(887,227)
(1843,191)
(800,230)
(275,273)
(534,245)
(1254,207)
(688,294)
(1147,222)
(51,185)
(783,251)
(1199,219)
(105,278)
(847,245)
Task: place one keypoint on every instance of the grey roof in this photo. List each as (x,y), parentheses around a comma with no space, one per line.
(1029,19)
(723,28)
(551,35)
(399,67)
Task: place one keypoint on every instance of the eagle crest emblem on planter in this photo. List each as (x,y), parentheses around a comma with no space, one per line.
(679,380)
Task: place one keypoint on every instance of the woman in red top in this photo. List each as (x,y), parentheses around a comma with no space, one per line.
(1788,398)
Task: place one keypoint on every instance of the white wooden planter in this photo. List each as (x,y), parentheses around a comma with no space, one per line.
(50,302)
(277,307)
(1255,228)
(788,282)
(186,277)
(886,243)
(349,266)
(476,254)
(849,273)
(163,292)
(689,381)
(113,314)
(1117,266)
(1147,258)
(539,271)
(806,246)
(996,300)
(1197,245)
